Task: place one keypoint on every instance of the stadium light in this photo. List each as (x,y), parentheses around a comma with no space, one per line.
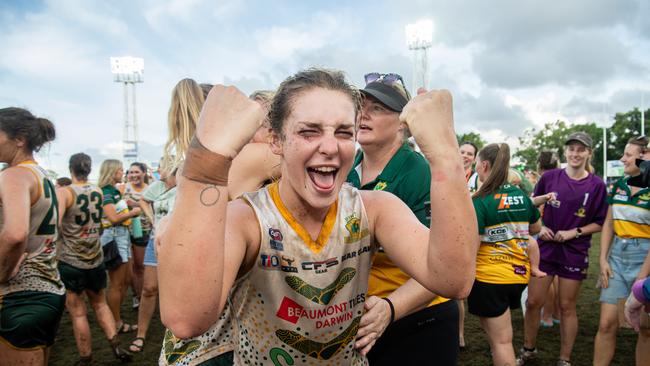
(129,71)
(419,38)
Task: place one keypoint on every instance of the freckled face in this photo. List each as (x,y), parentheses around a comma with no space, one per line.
(318,146)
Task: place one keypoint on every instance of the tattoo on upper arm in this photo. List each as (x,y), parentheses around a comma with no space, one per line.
(210,195)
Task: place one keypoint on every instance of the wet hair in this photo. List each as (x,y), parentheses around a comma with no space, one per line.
(470,144)
(20,123)
(143,168)
(183,116)
(640,141)
(80,166)
(306,80)
(63,181)
(205,88)
(107,172)
(547,160)
(498,156)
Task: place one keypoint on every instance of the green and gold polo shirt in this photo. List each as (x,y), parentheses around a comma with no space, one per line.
(631,213)
(407,176)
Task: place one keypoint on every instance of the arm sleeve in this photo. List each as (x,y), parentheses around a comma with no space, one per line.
(480,214)
(601,204)
(153,191)
(108,196)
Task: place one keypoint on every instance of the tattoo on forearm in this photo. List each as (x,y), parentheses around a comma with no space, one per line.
(210,195)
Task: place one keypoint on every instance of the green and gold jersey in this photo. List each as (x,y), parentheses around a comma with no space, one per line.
(301,302)
(80,228)
(39,270)
(631,213)
(407,176)
(503,221)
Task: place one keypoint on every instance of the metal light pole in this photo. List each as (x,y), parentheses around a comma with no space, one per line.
(642,114)
(419,38)
(129,71)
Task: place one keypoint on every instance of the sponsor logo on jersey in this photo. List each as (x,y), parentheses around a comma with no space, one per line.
(506,201)
(520,270)
(353,225)
(355,253)
(320,266)
(582,212)
(499,233)
(620,197)
(644,197)
(276,239)
(323,317)
(277,262)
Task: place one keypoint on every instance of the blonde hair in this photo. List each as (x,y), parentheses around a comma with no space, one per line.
(187,100)
(107,172)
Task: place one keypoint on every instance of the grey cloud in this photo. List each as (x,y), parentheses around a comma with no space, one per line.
(489,111)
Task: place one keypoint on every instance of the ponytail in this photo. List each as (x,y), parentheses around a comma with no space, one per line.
(498,156)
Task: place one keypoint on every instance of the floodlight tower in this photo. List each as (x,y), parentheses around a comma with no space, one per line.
(129,71)
(419,38)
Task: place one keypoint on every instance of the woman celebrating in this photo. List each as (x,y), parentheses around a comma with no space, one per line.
(137,182)
(578,210)
(300,249)
(624,247)
(115,218)
(387,163)
(32,296)
(506,218)
(81,262)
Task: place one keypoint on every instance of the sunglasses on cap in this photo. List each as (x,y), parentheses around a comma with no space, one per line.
(389,79)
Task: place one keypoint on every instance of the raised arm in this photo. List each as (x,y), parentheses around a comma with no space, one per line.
(191,257)
(444,259)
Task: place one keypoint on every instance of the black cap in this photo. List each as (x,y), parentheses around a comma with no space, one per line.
(581,137)
(387,95)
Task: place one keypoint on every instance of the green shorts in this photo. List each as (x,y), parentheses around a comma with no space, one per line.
(29,319)
(77,280)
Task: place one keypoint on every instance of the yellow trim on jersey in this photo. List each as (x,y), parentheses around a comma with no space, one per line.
(27,164)
(325,231)
(629,229)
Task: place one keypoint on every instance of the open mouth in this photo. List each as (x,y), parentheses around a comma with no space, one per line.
(323,177)
(364,127)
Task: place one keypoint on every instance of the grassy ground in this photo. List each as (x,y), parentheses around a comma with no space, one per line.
(64,352)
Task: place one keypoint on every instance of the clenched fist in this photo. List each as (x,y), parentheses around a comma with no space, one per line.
(228,120)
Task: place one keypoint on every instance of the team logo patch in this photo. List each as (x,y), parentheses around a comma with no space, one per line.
(380,186)
(353,225)
(645,197)
(276,239)
(581,212)
(520,270)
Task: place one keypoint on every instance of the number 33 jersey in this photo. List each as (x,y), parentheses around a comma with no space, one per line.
(80,226)
(38,271)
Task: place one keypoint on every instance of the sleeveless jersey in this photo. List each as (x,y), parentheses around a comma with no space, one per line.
(130,193)
(80,228)
(39,270)
(302,301)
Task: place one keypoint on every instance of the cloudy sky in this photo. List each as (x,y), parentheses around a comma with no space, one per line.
(510,65)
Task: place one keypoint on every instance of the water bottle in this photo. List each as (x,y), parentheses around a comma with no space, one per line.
(136,227)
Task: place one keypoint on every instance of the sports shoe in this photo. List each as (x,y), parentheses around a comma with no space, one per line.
(525,356)
(562,362)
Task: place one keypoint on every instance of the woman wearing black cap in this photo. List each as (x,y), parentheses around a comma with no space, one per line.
(418,324)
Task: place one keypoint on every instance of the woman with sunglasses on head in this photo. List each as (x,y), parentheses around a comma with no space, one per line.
(137,181)
(413,317)
(290,262)
(577,211)
(32,296)
(624,249)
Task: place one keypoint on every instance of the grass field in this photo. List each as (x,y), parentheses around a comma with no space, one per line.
(64,351)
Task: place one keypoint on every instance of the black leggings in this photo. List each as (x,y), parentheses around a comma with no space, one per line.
(427,337)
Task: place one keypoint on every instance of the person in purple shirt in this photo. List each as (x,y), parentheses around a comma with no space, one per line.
(578,211)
